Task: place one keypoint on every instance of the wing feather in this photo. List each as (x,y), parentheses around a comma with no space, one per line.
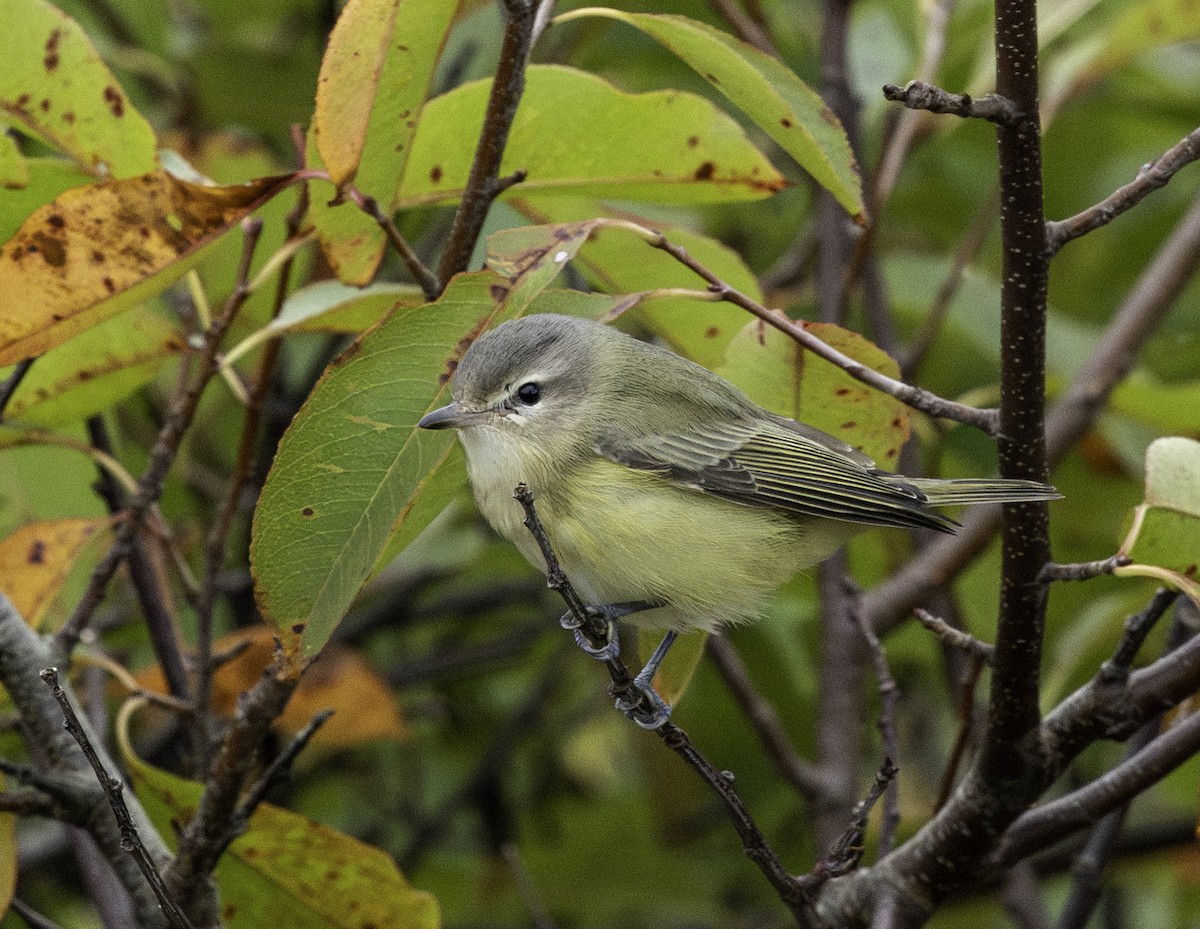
(779,464)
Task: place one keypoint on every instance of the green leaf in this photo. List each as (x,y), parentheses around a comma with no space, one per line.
(48,177)
(1173,476)
(96,369)
(1164,540)
(1170,407)
(578,134)
(14,168)
(1143,27)
(776,373)
(375,77)
(781,104)
(353,469)
(618,263)
(55,87)
(287,870)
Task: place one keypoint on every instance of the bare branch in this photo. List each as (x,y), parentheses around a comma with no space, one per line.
(162,454)
(12,382)
(921,95)
(429,283)
(67,772)
(955,637)
(1083,571)
(1149,178)
(918,399)
(483,184)
(114,792)
(595,630)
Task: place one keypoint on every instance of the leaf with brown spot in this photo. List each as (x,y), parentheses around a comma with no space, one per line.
(36,560)
(49,59)
(576,134)
(150,229)
(374,488)
(778,101)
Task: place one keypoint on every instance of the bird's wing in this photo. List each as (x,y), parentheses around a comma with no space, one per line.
(779,464)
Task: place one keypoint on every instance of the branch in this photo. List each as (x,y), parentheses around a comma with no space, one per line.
(1079,809)
(915,397)
(205,836)
(1149,178)
(955,637)
(22,653)
(12,382)
(114,792)
(889,693)
(429,283)
(1084,571)
(920,95)
(483,183)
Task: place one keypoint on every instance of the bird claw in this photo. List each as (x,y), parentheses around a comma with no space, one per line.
(605,652)
(634,703)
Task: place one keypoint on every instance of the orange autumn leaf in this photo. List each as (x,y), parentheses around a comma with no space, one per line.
(364,706)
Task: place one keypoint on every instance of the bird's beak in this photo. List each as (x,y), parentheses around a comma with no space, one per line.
(453,416)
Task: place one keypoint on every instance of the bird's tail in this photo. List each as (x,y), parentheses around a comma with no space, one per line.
(981,490)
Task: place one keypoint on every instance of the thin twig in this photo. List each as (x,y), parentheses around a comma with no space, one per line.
(921,95)
(279,769)
(216,541)
(1136,321)
(35,919)
(966,725)
(1149,178)
(1083,571)
(745,26)
(918,399)
(847,851)
(889,694)
(483,183)
(1080,808)
(13,381)
(429,283)
(525,886)
(1088,871)
(956,637)
(113,790)
(204,838)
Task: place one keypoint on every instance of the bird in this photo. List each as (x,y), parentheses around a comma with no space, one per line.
(669,498)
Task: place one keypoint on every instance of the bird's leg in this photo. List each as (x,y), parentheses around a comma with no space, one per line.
(643,690)
(608,613)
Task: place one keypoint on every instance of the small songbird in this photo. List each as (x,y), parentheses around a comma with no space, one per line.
(660,484)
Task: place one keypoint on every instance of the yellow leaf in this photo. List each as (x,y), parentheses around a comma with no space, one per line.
(36,560)
(99,249)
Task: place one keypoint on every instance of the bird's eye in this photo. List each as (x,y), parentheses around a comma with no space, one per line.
(529,394)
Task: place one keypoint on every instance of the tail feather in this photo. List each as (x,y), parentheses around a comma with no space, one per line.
(981,490)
